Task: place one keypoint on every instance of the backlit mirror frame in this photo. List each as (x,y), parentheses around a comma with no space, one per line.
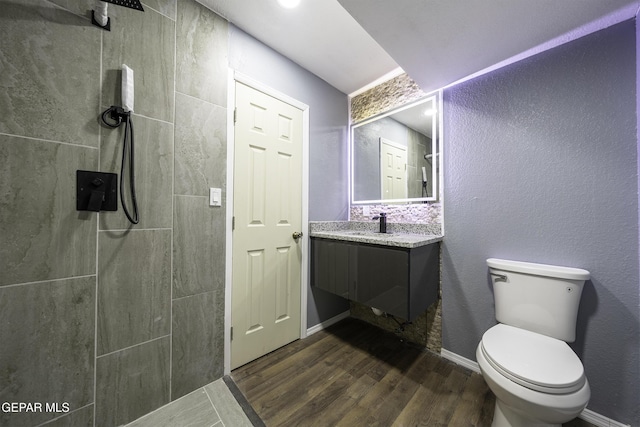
(436,159)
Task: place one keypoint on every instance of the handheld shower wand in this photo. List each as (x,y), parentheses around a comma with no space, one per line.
(122,115)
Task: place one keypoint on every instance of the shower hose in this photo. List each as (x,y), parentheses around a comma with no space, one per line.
(119,116)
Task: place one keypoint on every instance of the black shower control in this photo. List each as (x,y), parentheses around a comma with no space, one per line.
(96,191)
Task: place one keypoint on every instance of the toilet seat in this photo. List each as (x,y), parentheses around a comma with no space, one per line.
(534,361)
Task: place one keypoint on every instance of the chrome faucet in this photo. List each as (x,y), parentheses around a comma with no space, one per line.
(383,221)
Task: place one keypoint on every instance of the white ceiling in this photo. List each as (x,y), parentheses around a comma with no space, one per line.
(439,42)
(436,42)
(318,35)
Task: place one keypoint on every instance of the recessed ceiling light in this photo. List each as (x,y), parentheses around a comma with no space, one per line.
(289,4)
(430,112)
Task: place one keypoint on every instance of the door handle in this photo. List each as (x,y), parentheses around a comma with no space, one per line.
(297,235)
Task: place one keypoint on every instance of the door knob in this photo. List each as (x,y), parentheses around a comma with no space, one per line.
(297,235)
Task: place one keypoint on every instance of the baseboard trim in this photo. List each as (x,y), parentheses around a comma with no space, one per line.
(327,323)
(462,361)
(587,415)
(600,420)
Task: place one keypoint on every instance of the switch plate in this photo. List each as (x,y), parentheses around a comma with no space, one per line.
(215,196)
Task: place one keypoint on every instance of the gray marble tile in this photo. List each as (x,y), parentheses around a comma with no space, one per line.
(79,8)
(230,411)
(202,51)
(50,327)
(153,162)
(165,7)
(198,246)
(132,382)
(197,342)
(193,410)
(43,236)
(84,8)
(133,288)
(48,85)
(81,418)
(201,146)
(146,43)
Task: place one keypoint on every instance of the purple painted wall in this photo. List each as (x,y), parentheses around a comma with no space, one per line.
(541,165)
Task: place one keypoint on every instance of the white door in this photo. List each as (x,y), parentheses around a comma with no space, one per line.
(393,169)
(267,258)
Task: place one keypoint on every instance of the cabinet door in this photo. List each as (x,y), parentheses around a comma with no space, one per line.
(424,279)
(330,266)
(382,279)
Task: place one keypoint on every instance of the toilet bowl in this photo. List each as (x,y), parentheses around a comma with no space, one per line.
(536,377)
(538,380)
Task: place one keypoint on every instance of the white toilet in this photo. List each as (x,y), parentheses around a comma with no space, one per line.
(537,378)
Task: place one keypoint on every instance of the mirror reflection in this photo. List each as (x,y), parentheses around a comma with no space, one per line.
(395,155)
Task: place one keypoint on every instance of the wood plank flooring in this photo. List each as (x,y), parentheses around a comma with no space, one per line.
(354,374)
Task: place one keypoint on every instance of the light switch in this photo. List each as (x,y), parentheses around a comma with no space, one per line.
(215,196)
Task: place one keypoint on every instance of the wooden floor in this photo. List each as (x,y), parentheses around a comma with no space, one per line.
(354,374)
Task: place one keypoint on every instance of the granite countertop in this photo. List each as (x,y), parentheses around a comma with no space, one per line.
(398,235)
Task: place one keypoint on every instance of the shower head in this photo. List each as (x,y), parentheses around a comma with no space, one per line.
(99,16)
(131,4)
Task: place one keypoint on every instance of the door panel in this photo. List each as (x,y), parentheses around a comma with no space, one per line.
(393,167)
(266,287)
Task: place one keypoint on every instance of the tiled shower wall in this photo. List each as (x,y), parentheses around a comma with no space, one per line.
(112,319)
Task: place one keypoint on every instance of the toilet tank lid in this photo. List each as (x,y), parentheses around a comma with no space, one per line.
(539,269)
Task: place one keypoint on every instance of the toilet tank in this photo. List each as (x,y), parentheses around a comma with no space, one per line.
(537,297)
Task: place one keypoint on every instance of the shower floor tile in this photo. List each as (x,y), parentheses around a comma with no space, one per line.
(211,405)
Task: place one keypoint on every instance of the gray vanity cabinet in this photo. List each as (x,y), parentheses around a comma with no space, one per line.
(399,281)
(330,268)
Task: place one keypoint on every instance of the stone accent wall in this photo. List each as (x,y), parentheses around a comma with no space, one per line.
(393,93)
(426,330)
(422,213)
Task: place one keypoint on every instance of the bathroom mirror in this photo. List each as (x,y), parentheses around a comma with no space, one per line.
(395,156)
